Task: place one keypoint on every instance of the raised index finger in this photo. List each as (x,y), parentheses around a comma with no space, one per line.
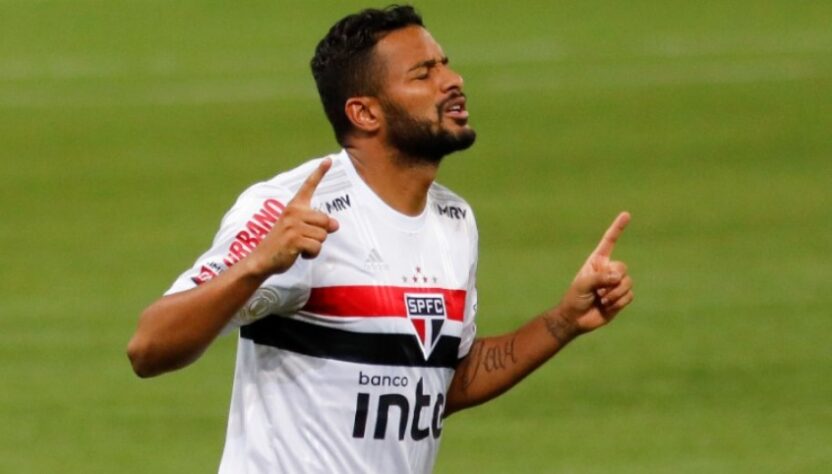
(307,189)
(604,248)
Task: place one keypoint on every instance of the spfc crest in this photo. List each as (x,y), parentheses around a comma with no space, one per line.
(427,313)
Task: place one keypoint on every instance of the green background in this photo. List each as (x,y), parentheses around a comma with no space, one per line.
(127,128)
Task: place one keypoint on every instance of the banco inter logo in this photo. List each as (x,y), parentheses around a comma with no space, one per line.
(427,313)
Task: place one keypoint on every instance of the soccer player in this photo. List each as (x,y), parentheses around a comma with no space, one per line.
(351,279)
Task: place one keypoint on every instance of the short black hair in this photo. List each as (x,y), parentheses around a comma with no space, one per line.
(343,64)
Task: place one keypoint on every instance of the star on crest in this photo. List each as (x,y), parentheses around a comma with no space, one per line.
(419,277)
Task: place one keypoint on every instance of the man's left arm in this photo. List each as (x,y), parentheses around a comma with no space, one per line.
(600,290)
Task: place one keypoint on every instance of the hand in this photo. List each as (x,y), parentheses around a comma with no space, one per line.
(300,231)
(602,286)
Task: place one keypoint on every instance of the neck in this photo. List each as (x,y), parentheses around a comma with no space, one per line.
(400,182)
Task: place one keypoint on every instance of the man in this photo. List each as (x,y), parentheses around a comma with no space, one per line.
(350,356)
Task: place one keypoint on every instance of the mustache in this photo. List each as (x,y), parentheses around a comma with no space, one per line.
(454,95)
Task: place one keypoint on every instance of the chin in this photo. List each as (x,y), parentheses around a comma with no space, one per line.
(465,137)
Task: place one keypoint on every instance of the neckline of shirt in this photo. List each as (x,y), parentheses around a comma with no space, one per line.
(391,216)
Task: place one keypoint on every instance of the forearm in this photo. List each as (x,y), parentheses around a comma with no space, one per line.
(175,330)
(495,364)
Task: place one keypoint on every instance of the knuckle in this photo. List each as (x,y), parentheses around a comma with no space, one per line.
(321,217)
(290,228)
(312,251)
(289,215)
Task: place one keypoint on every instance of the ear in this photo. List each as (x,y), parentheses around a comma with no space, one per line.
(364,113)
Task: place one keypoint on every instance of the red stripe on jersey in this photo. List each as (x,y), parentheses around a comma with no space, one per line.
(374,301)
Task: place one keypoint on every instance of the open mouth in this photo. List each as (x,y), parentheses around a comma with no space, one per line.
(455,108)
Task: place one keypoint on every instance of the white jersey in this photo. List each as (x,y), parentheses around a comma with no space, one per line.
(344,361)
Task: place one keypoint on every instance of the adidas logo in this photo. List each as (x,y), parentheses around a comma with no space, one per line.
(374,261)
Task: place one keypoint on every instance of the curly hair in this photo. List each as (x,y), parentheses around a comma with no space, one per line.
(343,65)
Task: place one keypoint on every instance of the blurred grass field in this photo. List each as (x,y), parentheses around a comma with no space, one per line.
(127,128)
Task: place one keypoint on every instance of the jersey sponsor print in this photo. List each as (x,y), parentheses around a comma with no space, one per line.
(344,361)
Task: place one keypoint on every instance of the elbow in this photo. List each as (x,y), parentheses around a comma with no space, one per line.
(140,355)
(144,350)
(158,346)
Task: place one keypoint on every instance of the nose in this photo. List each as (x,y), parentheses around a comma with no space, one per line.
(451,80)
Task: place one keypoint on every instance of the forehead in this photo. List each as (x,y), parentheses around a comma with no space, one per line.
(404,48)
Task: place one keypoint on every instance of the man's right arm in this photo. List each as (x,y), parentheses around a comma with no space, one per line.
(176,329)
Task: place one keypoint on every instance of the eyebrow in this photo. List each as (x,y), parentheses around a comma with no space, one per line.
(430,63)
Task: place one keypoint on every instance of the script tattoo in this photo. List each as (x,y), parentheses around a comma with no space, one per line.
(471,365)
(561,330)
(489,357)
(497,357)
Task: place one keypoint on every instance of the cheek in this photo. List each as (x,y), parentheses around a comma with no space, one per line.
(419,106)
(417,101)
(424,111)
(418,98)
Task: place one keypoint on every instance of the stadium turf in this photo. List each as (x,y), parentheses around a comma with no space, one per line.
(128,127)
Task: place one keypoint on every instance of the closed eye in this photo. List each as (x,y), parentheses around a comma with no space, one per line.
(424,68)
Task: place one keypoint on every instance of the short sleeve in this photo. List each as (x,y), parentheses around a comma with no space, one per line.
(469,328)
(241,230)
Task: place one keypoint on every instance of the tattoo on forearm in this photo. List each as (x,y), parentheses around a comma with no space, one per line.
(496,357)
(558,328)
(471,365)
(491,357)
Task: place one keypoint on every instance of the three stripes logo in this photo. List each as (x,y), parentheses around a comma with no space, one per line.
(427,313)
(374,261)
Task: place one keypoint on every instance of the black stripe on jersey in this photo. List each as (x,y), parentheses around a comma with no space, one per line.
(366,348)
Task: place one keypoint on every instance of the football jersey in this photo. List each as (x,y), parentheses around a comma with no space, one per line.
(344,361)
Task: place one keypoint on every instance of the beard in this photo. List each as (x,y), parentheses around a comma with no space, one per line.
(422,140)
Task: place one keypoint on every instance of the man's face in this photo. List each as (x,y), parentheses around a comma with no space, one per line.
(421,96)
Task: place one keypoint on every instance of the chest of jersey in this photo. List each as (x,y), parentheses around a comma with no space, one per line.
(368,249)
(375,276)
